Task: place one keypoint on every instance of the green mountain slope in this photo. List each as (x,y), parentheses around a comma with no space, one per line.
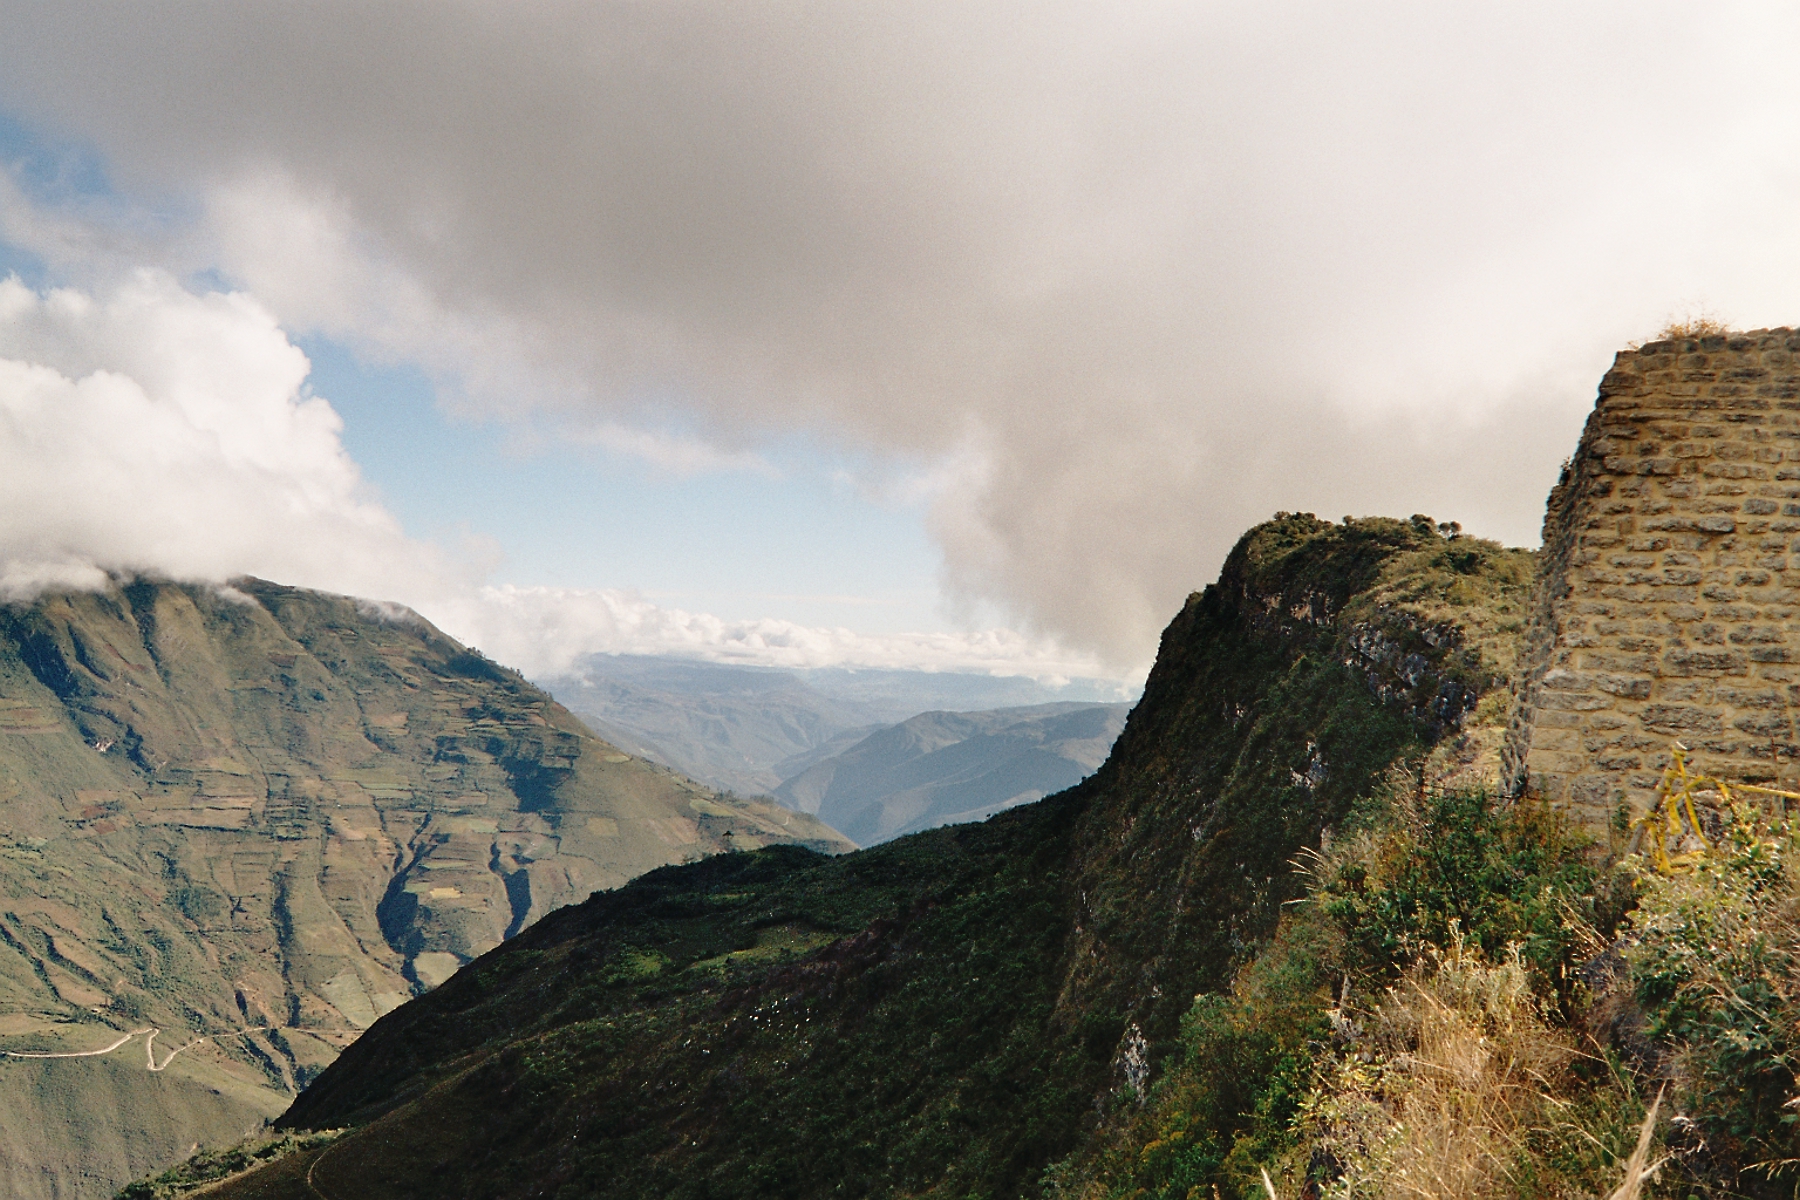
(947,1013)
(264,817)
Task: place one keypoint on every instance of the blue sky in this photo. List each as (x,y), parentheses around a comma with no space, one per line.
(800,542)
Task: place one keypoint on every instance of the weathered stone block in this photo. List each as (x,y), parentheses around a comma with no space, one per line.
(1572,702)
(1561,679)
(1677,719)
(1591,790)
(1689,691)
(1551,719)
(1765,724)
(1690,661)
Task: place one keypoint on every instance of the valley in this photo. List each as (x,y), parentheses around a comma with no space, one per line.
(248,822)
(942,768)
(749,729)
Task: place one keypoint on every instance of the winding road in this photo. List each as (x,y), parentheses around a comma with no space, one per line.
(150,1062)
(149,1033)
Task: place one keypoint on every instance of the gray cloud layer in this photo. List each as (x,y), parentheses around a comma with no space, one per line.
(1127,277)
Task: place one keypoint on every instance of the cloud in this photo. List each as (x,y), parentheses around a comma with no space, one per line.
(547,631)
(152,429)
(1140,274)
(149,428)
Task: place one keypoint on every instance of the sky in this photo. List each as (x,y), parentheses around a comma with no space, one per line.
(950,335)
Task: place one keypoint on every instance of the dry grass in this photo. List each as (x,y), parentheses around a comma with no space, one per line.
(1693,326)
(1697,323)
(1433,1094)
(1637,1172)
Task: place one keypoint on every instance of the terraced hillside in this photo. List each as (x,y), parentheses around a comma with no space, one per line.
(953,1012)
(253,820)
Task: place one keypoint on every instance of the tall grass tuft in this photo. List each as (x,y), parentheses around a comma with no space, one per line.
(1436,1089)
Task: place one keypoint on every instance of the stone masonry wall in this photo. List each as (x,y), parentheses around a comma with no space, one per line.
(1668,602)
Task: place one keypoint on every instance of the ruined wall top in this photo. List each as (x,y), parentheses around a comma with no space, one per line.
(1668,604)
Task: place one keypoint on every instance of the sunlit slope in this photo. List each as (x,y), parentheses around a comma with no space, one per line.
(268,816)
(952,1012)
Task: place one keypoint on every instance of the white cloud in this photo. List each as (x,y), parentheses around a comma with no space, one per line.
(148,428)
(1140,274)
(546,631)
(152,429)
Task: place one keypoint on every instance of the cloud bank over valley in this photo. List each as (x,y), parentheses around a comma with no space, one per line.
(1114,283)
(153,429)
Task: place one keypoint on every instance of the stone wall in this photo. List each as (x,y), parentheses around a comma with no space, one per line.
(1670,580)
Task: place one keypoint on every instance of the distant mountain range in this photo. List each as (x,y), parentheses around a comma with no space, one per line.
(943,767)
(880,751)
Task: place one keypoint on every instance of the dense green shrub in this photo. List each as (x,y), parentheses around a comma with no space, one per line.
(1714,953)
(210,1166)
(1445,865)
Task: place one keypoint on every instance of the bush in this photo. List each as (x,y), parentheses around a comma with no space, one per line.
(1433,892)
(1713,954)
(1435,1088)
(1446,867)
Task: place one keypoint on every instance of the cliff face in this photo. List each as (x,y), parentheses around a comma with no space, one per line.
(1669,585)
(266,817)
(948,1012)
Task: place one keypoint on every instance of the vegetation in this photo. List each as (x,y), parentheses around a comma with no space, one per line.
(1694,325)
(1274,947)
(211,1166)
(1470,1002)
(1714,957)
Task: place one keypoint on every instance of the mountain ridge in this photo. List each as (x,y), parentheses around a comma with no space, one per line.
(939,768)
(951,1012)
(748,729)
(263,817)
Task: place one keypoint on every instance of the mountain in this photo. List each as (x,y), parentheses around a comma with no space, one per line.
(940,767)
(727,725)
(238,825)
(951,1012)
(748,729)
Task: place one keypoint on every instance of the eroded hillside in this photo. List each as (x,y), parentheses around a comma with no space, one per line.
(265,817)
(951,1012)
